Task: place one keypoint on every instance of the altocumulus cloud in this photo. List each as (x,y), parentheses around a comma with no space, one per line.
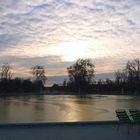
(30,30)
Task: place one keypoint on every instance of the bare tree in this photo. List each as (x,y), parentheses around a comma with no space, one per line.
(6,73)
(39,73)
(120,77)
(81,73)
(65,83)
(133,72)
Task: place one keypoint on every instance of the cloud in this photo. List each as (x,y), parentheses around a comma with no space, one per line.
(31,30)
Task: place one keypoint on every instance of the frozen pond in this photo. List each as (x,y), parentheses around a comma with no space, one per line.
(64,108)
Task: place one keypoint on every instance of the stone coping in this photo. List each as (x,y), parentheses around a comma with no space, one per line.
(48,124)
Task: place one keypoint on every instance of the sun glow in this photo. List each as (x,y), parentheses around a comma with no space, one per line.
(71,51)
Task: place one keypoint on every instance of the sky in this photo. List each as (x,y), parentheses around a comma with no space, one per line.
(55,33)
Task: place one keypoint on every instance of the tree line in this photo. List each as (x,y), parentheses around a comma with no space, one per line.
(81,79)
(8,84)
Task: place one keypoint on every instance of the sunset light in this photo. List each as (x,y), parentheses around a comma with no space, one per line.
(71,51)
(69,69)
(57,33)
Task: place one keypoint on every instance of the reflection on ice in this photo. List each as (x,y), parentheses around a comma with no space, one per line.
(64,108)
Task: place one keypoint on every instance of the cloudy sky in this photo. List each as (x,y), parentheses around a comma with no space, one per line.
(55,33)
